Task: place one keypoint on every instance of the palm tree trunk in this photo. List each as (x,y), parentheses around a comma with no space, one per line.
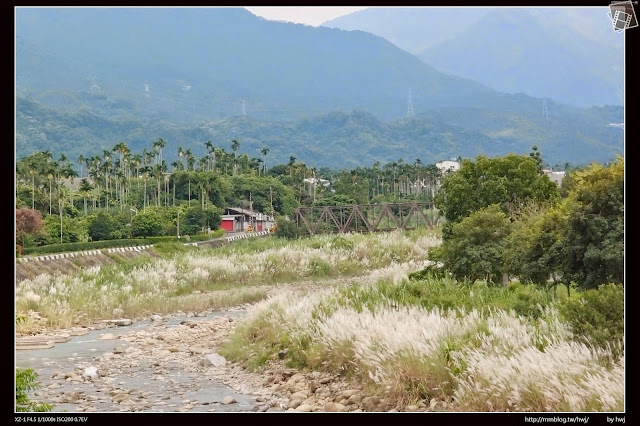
(60,209)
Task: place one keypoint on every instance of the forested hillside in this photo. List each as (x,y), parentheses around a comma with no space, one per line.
(337,139)
(89,78)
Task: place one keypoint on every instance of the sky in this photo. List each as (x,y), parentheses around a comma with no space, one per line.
(308,15)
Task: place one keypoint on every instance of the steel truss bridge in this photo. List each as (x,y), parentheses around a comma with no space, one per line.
(365,217)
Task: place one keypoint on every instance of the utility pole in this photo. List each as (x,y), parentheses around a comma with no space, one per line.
(178,224)
(273,217)
(251,225)
(271,200)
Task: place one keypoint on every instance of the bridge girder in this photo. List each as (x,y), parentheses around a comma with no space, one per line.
(362,217)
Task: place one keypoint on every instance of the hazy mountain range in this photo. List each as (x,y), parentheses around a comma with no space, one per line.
(572,55)
(88,78)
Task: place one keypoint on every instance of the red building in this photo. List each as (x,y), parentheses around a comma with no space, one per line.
(236,219)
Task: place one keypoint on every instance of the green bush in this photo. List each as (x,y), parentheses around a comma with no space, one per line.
(287,229)
(25,382)
(528,299)
(597,316)
(171,248)
(341,243)
(216,234)
(104,226)
(433,271)
(147,224)
(475,248)
(319,268)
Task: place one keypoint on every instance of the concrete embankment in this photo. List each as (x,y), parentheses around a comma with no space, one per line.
(67,263)
(29,267)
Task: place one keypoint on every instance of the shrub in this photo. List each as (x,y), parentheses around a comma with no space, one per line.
(597,317)
(104,227)
(28,222)
(341,243)
(434,271)
(170,248)
(287,229)
(528,300)
(319,268)
(475,248)
(25,382)
(147,224)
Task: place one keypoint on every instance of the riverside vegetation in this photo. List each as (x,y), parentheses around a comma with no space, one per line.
(418,318)
(375,314)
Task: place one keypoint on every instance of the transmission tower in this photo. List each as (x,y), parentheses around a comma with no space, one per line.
(410,112)
(244,108)
(545,110)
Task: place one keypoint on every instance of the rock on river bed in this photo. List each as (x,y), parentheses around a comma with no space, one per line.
(165,364)
(171,364)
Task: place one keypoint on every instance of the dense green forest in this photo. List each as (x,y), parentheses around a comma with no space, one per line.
(119,193)
(335,139)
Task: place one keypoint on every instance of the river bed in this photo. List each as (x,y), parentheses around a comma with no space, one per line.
(134,377)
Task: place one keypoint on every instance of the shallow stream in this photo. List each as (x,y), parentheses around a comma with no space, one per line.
(178,390)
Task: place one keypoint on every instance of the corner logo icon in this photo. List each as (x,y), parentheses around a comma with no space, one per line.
(622,15)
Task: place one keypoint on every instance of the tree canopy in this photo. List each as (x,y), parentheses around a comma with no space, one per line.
(594,243)
(528,231)
(507,181)
(28,222)
(475,248)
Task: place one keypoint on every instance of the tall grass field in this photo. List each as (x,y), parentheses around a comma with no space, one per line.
(452,346)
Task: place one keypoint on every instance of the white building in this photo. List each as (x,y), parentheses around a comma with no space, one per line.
(555,177)
(448,166)
(316,181)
